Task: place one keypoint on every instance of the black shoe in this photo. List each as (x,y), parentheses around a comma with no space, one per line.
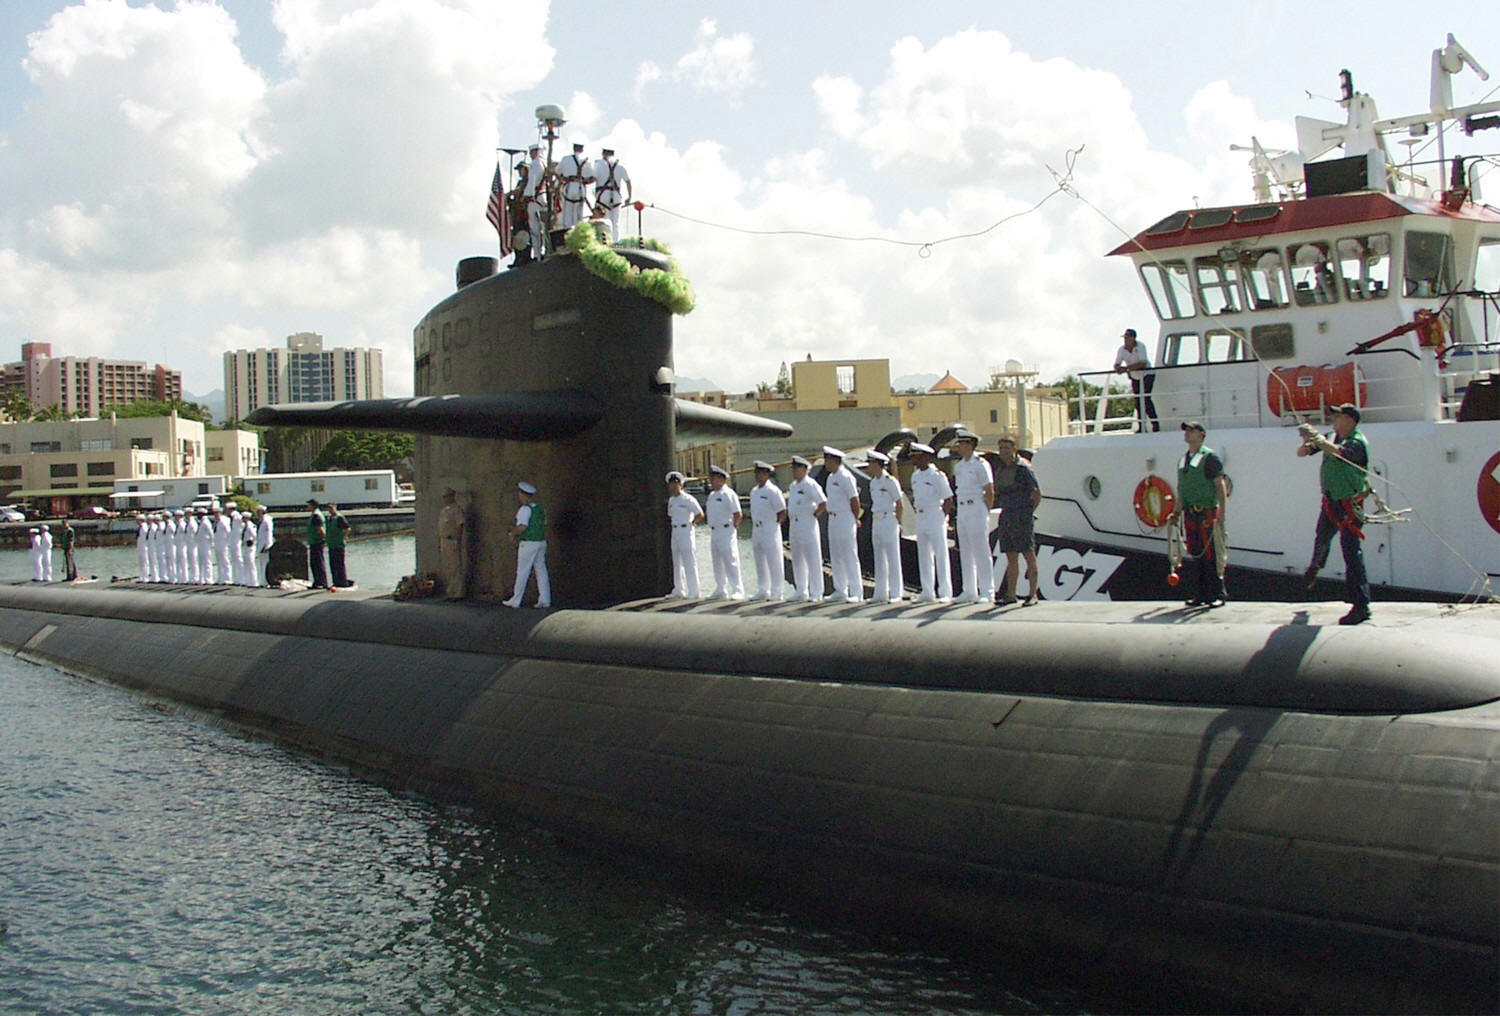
(1192,603)
(1310,577)
(1358,614)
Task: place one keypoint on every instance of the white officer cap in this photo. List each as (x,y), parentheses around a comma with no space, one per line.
(918,446)
(873,456)
(180,513)
(965,434)
(674,475)
(831,452)
(798,460)
(719,471)
(526,488)
(761,465)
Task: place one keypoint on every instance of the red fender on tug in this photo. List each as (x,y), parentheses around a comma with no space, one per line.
(1154,501)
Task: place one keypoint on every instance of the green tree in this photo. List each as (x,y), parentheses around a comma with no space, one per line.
(1073,384)
(16,406)
(366,449)
(158,407)
(52,413)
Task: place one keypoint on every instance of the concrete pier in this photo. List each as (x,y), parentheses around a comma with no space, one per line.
(1248,802)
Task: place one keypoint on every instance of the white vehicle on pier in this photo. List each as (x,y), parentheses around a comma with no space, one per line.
(1357,279)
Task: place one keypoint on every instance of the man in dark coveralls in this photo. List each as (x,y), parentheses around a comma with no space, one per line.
(1203,500)
(1345,481)
(1016,495)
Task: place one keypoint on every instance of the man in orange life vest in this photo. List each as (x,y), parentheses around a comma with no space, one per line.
(1346,460)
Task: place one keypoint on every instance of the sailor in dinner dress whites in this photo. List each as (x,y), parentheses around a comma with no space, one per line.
(767,512)
(885,527)
(221,546)
(843,527)
(975,494)
(203,548)
(930,497)
(142,549)
(723,514)
(683,513)
(265,535)
(37,571)
(805,502)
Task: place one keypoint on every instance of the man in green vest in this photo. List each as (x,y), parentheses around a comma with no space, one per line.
(1345,481)
(69,540)
(530,537)
(317,537)
(1202,501)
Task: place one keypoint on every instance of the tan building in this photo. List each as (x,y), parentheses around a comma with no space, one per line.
(232,452)
(302,372)
(89,385)
(841,384)
(76,462)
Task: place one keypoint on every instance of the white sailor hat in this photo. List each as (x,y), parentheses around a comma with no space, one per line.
(718,471)
(762,465)
(831,452)
(674,475)
(526,488)
(925,449)
(798,460)
(179,513)
(873,456)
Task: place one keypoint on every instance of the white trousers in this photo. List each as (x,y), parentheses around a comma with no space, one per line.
(572,212)
(765,542)
(843,556)
(613,210)
(531,557)
(247,564)
(723,542)
(976,568)
(684,563)
(885,535)
(262,563)
(932,554)
(38,572)
(807,562)
(143,560)
(221,551)
(205,553)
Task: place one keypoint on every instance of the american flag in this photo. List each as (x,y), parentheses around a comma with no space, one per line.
(498,213)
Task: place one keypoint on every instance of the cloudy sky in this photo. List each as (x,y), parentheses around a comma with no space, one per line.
(181,178)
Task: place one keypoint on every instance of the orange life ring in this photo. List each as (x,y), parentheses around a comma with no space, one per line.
(1154,501)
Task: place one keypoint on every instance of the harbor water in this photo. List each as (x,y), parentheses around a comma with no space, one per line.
(153,861)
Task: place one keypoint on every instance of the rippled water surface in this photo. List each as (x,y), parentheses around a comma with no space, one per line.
(152,861)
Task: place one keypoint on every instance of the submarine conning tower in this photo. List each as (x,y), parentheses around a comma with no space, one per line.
(553,327)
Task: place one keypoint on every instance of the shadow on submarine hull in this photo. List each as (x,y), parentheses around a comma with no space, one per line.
(1312,829)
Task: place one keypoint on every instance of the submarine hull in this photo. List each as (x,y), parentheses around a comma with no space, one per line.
(1283,814)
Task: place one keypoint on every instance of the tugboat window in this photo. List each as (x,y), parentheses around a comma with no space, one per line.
(1265,279)
(1487,266)
(1167,284)
(1365,263)
(1313,278)
(1218,285)
(1180,348)
(1223,346)
(1426,272)
(1273,342)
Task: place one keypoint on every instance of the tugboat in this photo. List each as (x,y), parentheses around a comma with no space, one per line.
(1356,279)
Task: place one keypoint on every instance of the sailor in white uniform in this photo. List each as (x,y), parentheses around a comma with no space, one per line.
(885,528)
(843,527)
(530,537)
(169,546)
(203,548)
(930,498)
(723,514)
(683,513)
(236,538)
(805,502)
(265,535)
(142,549)
(184,549)
(153,547)
(159,548)
(191,574)
(247,552)
(608,176)
(767,512)
(575,172)
(975,493)
(537,192)
(221,547)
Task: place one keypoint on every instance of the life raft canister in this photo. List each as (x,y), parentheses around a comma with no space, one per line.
(1154,501)
(1314,389)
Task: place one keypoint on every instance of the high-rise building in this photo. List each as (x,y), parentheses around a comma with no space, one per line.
(302,372)
(89,385)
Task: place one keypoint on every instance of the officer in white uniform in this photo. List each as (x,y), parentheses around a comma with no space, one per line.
(173,551)
(221,546)
(159,549)
(575,172)
(805,502)
(930,498)
(843,527)
(247,552)
(723,514)
(142,549)
(265,535)
(975,493)
(683,513)
(538,193)
(885,527)
(38,573)
(184,549)
(153,546)
(608,177)
(767,512)
(46,553)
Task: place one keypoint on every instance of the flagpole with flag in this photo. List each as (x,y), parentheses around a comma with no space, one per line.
(498,210)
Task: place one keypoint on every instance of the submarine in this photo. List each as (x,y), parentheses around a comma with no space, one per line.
(1254,808)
